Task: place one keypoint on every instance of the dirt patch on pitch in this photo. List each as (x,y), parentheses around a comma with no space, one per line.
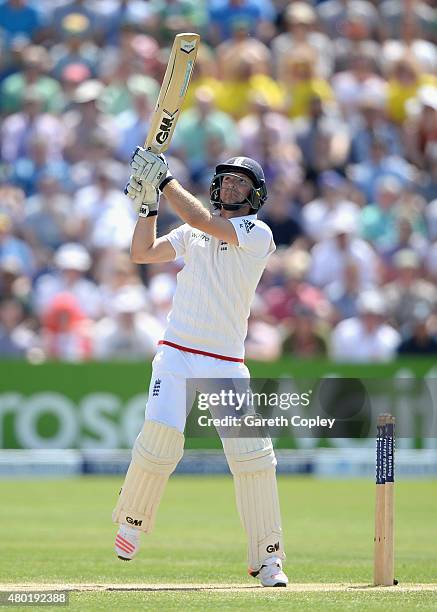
(175,587)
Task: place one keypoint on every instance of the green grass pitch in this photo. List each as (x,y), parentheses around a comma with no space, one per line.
(60,533)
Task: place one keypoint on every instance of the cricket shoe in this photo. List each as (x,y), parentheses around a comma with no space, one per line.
(127,542)
(270,574)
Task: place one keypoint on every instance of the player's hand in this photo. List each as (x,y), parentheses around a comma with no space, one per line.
(145,197)
(148,167)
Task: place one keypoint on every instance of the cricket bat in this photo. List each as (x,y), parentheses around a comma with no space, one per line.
(173,89)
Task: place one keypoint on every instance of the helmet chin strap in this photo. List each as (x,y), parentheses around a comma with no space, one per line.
(232,207)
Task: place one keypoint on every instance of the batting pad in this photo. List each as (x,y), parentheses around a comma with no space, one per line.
(252,463)
(155,455)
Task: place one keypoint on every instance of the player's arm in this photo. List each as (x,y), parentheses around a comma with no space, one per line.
(145,246)
(190,210)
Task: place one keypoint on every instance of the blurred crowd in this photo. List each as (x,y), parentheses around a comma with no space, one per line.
(336,99)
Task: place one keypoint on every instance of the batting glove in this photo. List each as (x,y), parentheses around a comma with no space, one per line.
(145,197)
(149,168)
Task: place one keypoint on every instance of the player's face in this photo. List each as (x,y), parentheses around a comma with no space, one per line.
(235,188)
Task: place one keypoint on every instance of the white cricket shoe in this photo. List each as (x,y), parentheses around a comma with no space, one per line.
(127,542)
(271,574)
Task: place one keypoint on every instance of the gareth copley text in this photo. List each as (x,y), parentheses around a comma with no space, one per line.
(255,420)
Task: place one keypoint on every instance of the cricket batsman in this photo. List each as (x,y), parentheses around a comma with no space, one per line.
(225,253)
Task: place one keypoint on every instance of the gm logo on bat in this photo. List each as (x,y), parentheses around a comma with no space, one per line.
(166,126)
(132,521)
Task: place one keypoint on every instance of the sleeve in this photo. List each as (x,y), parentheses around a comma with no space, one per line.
(253,237)
(178,238)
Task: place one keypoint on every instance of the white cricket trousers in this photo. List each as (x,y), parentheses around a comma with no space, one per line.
(168,402)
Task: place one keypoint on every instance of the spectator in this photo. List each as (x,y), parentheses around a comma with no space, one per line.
(301,84)
(30,124)
(16,339)
(121,273)
(129,334)
(242,45)
(245,82)
(330,255)
(360,81)
(355,32)
(196,125)
(301,31)
(365,338)
(76,15)
(66,331)
(333,202)
(323,138)
(122,85)
(431,263)
(35,65)
(133,123)
(28,170)
(13,247)
(306,338)
(118,16)
(72,261)
(393,15)
(421,126)
(367,174)
(70,79)
(414,35)
(263,341)
(283,300)
(334,15)
(407,238)
(76,45)
(344,292)
(408,291)
(19,18)
(428,183)
(431,219)
(105,215)
(174,16)
(263,125)
(405,81)
(13,283)
(161,290)
(421,338)
(379,220)
(283,216)
(48,222)
(223,16)
(371,124)
(86,119)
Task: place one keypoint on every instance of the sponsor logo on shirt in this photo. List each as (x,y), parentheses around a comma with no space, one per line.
(248,225)
(223,245)
(200,235)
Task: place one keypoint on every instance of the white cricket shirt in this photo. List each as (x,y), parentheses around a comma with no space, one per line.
(216,286)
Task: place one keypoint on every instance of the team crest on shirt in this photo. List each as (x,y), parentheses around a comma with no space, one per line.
(248,225)
(156,387)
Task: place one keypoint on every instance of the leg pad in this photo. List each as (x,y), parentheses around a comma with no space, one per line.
(252,463)
(155,455)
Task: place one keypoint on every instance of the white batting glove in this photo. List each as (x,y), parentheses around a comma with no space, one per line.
(148,167)
(145,197)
